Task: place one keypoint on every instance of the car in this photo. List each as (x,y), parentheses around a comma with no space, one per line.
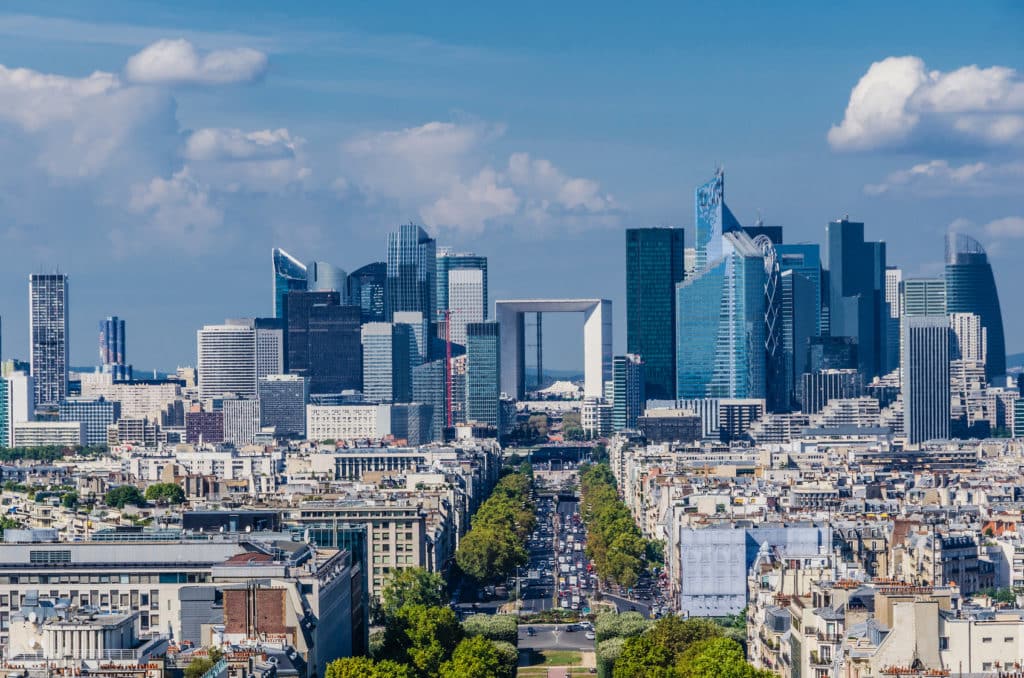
(530,631)
(569,628)
(590,635)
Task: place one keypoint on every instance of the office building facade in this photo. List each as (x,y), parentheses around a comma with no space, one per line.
(893,297)
(322,341)
(629,397)
(367,289)
(411,272)
(466,299)
(970,338)
(448,261)
(483,373)
(429,387)
(971,288)
(654,266)
(48,326)
(289,275)
(923,296)
(283,399)
(855,273)
(387,372)
(818,388)
(205,427)
(324,277)
(226,360)
(94,415)
(925,368)
(113,355)
(712,220)
(241,420)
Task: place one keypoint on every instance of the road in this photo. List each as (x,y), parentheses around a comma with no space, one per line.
(626,605)
(553,637)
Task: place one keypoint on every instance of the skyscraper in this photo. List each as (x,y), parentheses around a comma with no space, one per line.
(322,341)
(226,360)
(48,322)
(970,339)
(971,288)
(428,387)
(449,260)
(289,275)
(654,266)
(387,372)
(712,219)
(112,349)
(269,346)
(321,277)
(5,413)
(283,399)
(777,364)
(818,388)
(923,296)
(628,399)
(483,373)
(466,299)
(412,272)
(367,289)
(855,272)
(893,297)
(925,368)
(720,336)
(800,309)
(419,336)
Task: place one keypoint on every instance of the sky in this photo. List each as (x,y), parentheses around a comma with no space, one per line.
(156,152)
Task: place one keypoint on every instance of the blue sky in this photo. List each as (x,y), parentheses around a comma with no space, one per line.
(156,152)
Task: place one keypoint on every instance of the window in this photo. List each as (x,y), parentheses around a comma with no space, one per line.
(986,639)
(49,557)
(943,642)
(1008,639)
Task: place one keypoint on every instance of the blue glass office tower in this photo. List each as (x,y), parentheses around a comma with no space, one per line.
(322,277)
(448,260)
(654,266)
(367,289)
(971,288)
(412,272)
(855,274)
(289,275)
(628,397)
(712,219)
(112,349)
(322,341)
(800,312)
(483,373)
(721,331)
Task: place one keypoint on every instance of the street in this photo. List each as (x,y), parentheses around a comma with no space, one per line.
(553,637)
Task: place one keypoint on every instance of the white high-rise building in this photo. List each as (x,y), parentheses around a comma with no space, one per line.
(226,361)
(269,351)
(241,420)
(925,368)
(21,405)
(465,301)
(970,336)
(48,336)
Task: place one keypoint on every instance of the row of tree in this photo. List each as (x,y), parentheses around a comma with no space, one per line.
(423,639)
(48,453)
(160,493)
(496,544)
(631,647)
(614,542)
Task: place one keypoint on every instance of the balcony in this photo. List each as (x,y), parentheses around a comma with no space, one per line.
(818,660)
(830,637)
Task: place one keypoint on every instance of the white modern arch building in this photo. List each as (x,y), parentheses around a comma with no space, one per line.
(597,340)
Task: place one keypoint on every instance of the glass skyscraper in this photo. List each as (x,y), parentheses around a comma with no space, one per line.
(112,349)
(322,276)
(926,404)
(712,219)
(48,322)
(387,372)
(367,289)
(429,388)
(322,341)
(720,344)
(654,266)
(483,373)
(283,399)
(971,288)
(289,275)
(800,310)
(628,397)
(447,261)
(855,274)
(412,272)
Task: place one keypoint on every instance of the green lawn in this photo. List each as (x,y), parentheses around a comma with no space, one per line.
(560,658)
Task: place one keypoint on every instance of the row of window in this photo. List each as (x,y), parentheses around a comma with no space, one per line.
(156,578)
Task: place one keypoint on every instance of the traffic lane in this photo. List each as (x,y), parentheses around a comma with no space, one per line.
(627,605)
(547,638)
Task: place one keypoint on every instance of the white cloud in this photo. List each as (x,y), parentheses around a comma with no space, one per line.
(442,170)
(234,160)
(898,103)
(176,62)
(937,178)
(177,210)
(1007,227)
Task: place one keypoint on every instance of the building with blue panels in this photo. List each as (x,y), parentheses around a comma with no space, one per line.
(289,275)
(95,415)
(483,373)
(971,288)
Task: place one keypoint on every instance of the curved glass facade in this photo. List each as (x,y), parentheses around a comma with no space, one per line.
(289,275)
(971,288)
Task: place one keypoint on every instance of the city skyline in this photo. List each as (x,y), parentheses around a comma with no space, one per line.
(210,169)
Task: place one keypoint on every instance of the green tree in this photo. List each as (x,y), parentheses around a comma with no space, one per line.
(717,658)
(165,493)
(69,500)
(198,666)
(490,553)
(412,586)
(497,627)
(423,637)
(364,667)
(614,625)
(119,497)
(642,656)
(476,657)
(7,524)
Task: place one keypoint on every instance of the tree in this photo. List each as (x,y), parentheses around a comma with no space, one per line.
(364,667)
(412,586)
(69,500)
(423,637)
(614,625)
(497,627)
(643,656)
(7,524)
(198,666)
(717,658)
(489,553)
(476,657)
(119,497)
(165,493)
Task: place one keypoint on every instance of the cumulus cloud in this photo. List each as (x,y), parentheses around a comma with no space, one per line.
(937,178)
(1007,227)
(234,160)
(899,104)
(177,210)
(442,170)
(176,62)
